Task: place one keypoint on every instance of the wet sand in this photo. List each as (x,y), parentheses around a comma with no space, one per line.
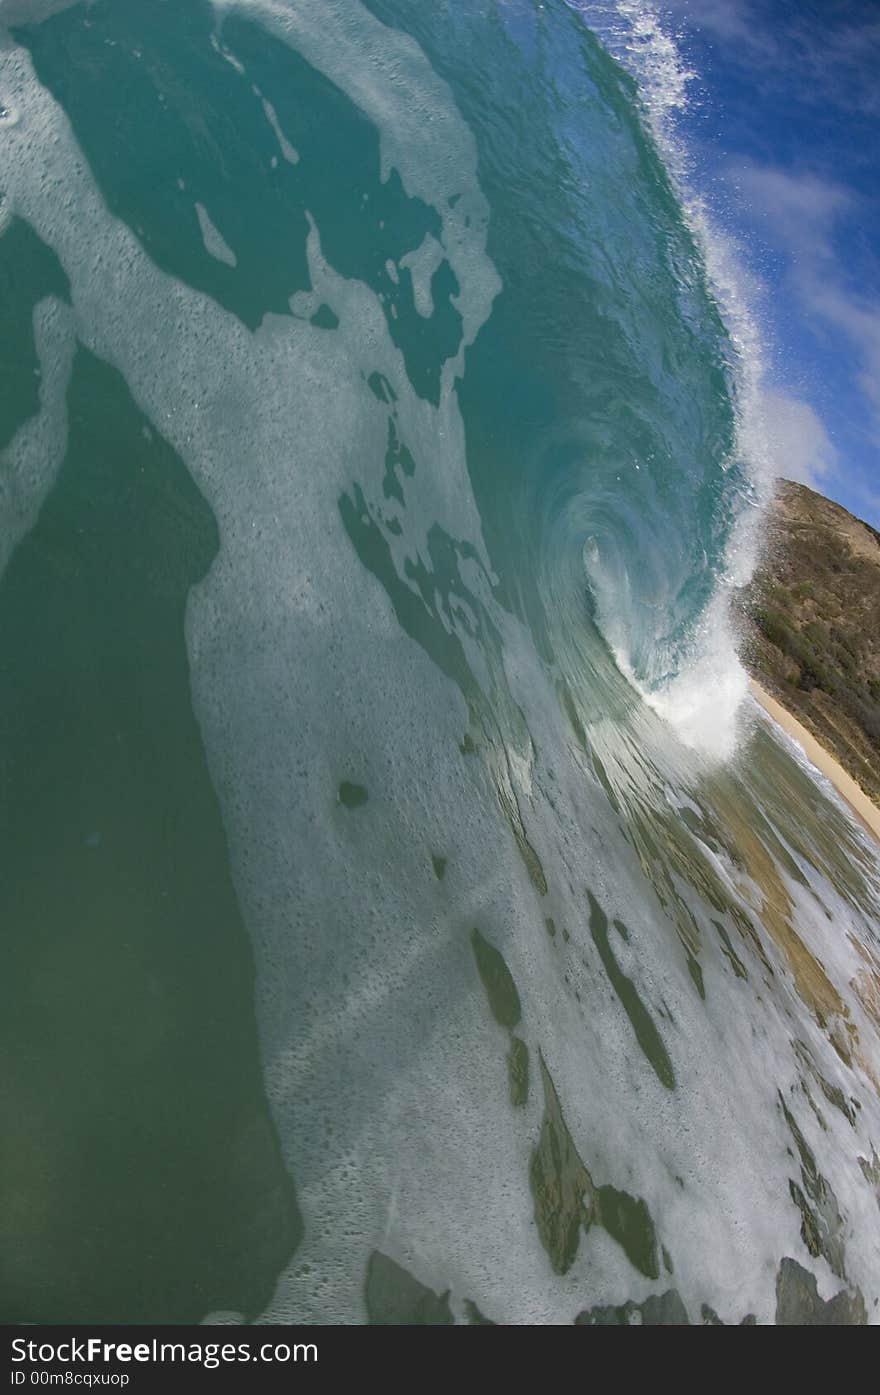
(864,808)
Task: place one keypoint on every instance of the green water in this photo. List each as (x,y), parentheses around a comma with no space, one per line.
(141,1176)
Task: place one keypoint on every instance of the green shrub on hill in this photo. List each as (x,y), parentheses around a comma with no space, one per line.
(812,612)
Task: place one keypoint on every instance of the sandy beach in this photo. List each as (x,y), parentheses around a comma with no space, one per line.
(864,808)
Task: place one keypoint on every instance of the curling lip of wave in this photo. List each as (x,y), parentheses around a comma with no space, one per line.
(697,683)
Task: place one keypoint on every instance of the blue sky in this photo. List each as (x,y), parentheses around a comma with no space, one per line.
(783,127)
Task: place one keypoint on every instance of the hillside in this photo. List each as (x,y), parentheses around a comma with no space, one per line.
(811,625)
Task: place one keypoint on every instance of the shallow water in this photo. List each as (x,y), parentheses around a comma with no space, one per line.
(378,949)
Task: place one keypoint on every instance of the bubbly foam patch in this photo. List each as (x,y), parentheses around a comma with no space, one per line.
(29,464)
(288,151)
(31,11)
(421,133)
(703,704)
(422,263)
(215,244)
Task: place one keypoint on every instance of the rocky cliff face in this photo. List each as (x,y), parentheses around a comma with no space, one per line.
(811,625)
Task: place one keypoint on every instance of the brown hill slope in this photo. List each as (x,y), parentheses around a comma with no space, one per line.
(811,625)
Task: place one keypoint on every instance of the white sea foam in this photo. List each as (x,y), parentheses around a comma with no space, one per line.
(31,11)
(215,244)
(30,462)
(288,151)
(703,703)
(422,263)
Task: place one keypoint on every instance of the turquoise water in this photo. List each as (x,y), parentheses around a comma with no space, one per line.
(408,915)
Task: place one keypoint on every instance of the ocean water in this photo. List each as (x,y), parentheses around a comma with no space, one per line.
(406,913)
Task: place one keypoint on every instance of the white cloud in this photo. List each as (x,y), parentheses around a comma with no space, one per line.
(726,19)
(819,57)
(803,212)
(859,319)
(800,209)
(803,58)
(797,444)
